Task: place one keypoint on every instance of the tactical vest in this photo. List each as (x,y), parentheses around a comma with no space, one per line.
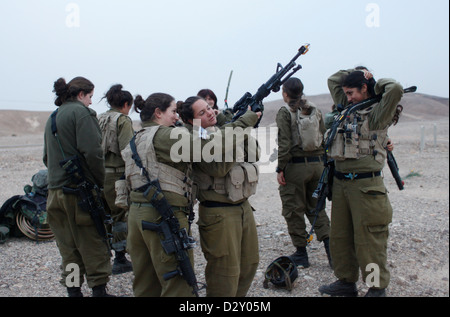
(240,182)
(108,125)
(170,178)
(305,129)
(354,139)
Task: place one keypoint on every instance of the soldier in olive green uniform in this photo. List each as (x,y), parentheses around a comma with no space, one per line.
(361,211)
(154,143)
(78,133)
(117,131)
(300,165)
(226,223)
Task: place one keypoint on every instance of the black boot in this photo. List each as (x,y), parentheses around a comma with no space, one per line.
(74,292)
(326,244)
(300,257)
(373,292)
(100,291)
(121,264)
(339,288)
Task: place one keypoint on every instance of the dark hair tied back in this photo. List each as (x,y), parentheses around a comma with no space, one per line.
(146,108)
(117,98)
(184,108)
(293,87)
(68,92)
(357,79)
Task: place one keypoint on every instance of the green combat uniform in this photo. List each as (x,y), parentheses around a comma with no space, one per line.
(302,167)
(77,238)
(226,223)
(117,131)
(150,261)
(361,211)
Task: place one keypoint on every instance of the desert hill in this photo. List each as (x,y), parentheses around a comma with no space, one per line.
(417,106)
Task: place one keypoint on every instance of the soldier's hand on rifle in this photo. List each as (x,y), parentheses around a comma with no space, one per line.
(259,113)
(390,145)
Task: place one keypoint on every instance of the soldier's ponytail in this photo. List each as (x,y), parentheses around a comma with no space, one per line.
(146,108)
(68,92)
(117,98)
(293,87)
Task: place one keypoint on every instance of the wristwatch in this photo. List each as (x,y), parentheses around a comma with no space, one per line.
(278,170)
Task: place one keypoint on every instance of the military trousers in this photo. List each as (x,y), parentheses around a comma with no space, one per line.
(297,202)
(150,261)
(360,215)
(229,243)
(81,247)
(118,229)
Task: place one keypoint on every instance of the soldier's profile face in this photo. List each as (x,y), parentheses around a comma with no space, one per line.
(86,99)
(355,95)
(203,112)
(170,116)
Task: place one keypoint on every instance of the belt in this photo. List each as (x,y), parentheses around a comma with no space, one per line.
(114,169)
(303,159)
(352,176)
(215,204)
(182,208)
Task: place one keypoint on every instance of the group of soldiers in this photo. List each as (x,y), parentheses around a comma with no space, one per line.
(122,162)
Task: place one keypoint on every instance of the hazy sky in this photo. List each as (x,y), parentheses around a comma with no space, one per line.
(182,46)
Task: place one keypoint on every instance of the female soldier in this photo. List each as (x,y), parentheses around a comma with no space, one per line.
(300,155)
(117,131)
(153,143)
(210,97)
(227,227)
(78,134)
(361,211)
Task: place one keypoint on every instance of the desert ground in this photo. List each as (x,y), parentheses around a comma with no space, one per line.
(418,247)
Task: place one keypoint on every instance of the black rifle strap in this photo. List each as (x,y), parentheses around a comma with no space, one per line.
(137,159)
(55,132)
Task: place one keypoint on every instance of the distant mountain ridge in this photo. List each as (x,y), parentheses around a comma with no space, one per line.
(417,106)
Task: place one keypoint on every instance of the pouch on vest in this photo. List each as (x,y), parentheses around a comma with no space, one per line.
(336,150)
(121,193)
(108,125)
(309,130)
(241,181)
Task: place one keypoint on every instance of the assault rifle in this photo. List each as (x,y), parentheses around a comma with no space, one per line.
(90,197)
(174,240)
(323,190)
(273,84)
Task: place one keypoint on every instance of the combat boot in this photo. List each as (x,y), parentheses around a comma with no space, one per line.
(374,292)
(121,264)
(339,288)
(100,291)
(326,244)
(74,292)
(300,257)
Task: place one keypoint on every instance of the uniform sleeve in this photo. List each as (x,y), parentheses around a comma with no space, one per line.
(125,131)
(283,121)
(89,142)
(335,87)
(392,93)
